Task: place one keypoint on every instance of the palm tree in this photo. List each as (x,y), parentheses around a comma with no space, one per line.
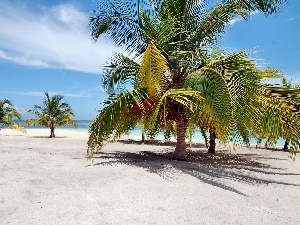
(52,113)
(7,114)
(172,76)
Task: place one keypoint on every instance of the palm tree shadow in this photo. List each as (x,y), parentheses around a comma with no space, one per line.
(217,170)
(158,143)
(47,137)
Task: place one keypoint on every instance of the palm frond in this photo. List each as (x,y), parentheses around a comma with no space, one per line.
(152,72)
(217,104)
(18,127)
(162,29)
(121,72)
(121,20)
(189,99)
(42,121)
(213,24)
(8,113)
(243,81)
(113,120)
(268,7)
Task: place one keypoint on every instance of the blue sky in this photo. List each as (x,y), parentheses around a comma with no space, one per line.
(45,46)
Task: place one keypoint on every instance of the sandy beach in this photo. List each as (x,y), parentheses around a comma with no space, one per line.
(49,181)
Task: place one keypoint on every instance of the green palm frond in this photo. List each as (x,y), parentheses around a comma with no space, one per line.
(121,20)
(64,119)
(268,7)
(270,73)
(189,99)
(281,118)
(33,121)
(8,113)
(152,72)
(213,24)
(243,82)
(288,96)
(217,103)
(207,28)
(121,73)
(162,29)
(113,120)
(18,127)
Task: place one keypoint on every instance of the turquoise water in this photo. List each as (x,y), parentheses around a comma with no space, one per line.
(83,125)
(197,137)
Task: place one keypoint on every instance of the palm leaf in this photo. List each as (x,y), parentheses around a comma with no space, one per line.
(18,127)
(213,24)
(152,72)
(217,104)
(120,74)
(189,99)
(121,20)
(268,7)
(113,120)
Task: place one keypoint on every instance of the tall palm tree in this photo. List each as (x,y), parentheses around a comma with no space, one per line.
(52,113)
(7,114)
(173,78)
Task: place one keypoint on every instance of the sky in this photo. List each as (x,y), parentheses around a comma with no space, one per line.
(46,46)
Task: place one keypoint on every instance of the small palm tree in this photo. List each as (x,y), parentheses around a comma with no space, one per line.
(52,113)
(7,114)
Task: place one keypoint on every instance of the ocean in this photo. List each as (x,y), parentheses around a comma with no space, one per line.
(83,125)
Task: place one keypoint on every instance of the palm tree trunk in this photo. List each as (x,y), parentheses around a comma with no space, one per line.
(181,124)
(258,144)
(286,145)
(143,137)
(52,134)
(212,141)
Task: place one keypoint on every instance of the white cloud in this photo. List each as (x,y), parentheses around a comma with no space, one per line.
(54,37)
(293,18)
(21,60)
(81,94)
(235,20)
(32,93)
(239,18)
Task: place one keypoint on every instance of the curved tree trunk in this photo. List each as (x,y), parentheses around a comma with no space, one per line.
(52,134)
(181,124)
(212,141)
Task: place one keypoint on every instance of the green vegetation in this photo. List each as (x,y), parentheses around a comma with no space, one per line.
(52,113)
(7,114)
(176,80)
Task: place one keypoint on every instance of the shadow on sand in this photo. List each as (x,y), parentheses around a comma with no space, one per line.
(48,137)
(218,170)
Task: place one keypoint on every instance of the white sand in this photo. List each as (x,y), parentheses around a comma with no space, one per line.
(49,181)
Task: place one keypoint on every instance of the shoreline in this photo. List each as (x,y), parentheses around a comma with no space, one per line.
(82,133)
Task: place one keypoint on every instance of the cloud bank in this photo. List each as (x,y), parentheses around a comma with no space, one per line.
(51,37)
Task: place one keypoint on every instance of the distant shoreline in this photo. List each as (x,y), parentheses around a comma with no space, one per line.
(82,133)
